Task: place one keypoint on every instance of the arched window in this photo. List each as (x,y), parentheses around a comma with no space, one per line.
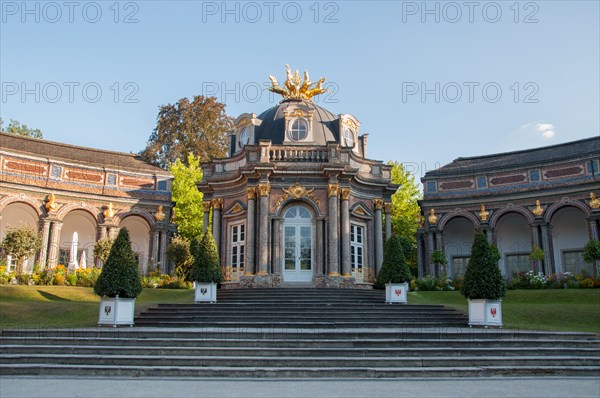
(244,137)
(348,138)
(299,130)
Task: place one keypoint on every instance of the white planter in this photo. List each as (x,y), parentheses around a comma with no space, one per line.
(396,292)
(485,312)
(205,292)
(116,311)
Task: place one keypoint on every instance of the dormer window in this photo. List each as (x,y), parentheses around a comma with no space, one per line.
(298,130)
(349,137)
(244,137)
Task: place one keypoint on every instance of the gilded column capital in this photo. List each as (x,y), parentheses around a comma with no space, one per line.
(387,207)
(378,204)
(345,193)
(264,189)
(217,203)
(333,190)
(206,204)
(251,193)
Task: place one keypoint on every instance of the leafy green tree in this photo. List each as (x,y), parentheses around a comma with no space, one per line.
(207,266)
(20,243)
(405,211)
(199,126)
(393,268)
(591,254)
(189,214)
(14,127)
(483,279)
(102,249)
(537,255)
(179,252)
(120,275)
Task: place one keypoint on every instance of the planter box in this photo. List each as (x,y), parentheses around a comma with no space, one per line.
(485,312)
(396,292)
(116,311)
(205,292)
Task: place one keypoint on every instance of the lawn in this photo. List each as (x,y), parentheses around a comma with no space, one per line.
(58,306)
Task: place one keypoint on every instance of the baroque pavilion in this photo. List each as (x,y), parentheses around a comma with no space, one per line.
(297,200)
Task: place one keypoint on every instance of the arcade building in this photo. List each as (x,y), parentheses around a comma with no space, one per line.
(297,201)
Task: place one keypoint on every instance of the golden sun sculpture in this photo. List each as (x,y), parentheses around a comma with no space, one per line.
(296,88)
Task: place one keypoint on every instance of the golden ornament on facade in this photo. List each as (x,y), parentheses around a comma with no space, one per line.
(109,212)
(206,204)
(50,203)
(217,203)
(160,215)
(350,124)
(594,201)
(483,213)
(387,207)
(297,191)
(378,204)
(432,218)
(296,88)
(345,193)
(333,190)
(251,193)
(264,189)
(538,210)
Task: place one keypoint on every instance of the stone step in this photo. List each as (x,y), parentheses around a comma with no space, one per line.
(291,324)
(291,372)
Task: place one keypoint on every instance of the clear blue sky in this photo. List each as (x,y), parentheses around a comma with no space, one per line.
(378,57)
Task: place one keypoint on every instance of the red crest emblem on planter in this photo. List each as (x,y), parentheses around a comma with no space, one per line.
(493,312)
(398,292)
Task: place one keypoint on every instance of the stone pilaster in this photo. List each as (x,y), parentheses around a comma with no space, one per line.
(334,259)
(102,232)
(163,252)
(594,233)
(217,205)
(420,259)
(113,232)
(548,249)
(155,243)
(45,238)
(320,246)
(345,230)
(206,205)
(55,229)
(250,232)
(387,210)
(378,206)
(263,228)
(431,249)
(277,234)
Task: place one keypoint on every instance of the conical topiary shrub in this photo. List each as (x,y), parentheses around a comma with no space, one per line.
(120,275)
(207,266)
(483,279)
(394,268)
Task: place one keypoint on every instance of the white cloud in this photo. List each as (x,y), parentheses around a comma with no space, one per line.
(546,129)
(548,134)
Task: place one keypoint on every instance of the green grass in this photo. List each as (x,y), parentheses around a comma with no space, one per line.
(548,309)
(65,307)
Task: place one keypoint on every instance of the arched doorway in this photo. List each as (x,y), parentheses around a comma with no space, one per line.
(569,237)
(17,215)
(84,224)
(513,237)
(298,245)
(139,234)
(458,238)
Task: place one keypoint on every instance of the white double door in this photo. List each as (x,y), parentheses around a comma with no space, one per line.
(298,251)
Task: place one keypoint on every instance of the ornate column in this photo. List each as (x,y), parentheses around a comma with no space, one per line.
(163,252)
(345,238)
(334,257)
(102,232)
(250,232)
(206,204)
(113,232)
(387,210)
(431,249)
(55,228)
(594,233)
(319,246)
(217,204)
(548,249)
(420,259)
(155,237)
(45,237)
(263,227)
(277,234)
(378,206)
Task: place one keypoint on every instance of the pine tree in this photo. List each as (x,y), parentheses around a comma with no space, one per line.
(394,268)
(483,279)
(207,266)
(120,275)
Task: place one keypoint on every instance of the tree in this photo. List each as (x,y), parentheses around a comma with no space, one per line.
(393,268)
(189,214)
(120,275)
(199,126)
(536,255)
(179,252)
(20,243)
(439,258)
(405,211)
(14,127)
(207,266)
(591,254)
(102,249)
(483,279)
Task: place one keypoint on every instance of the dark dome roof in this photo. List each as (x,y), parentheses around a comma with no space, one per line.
(325,127)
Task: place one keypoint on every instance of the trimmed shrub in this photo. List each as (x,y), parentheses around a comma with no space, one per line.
(394,268)
(483,279)
(207,266)
(120,274)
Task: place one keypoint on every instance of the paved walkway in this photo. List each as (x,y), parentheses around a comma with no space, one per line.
(522,387)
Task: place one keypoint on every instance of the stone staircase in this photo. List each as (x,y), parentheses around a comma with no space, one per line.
(295,333)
